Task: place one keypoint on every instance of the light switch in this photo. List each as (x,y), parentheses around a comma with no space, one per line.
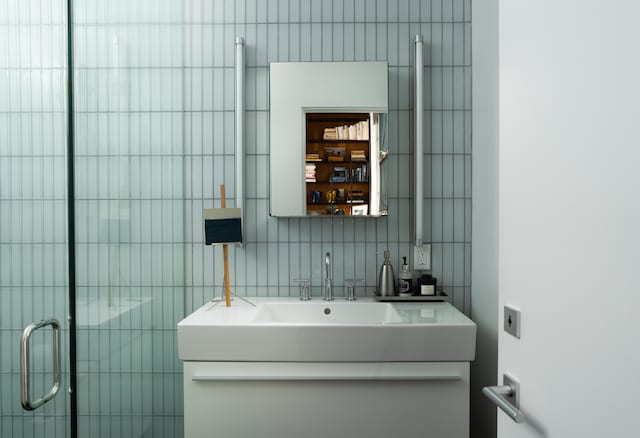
(512,321)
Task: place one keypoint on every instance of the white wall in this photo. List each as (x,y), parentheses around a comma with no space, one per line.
(484,270)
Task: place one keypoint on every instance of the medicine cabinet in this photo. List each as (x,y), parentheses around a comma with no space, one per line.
(328,139)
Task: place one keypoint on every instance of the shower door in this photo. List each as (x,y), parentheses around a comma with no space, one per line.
(128,156)
(33,221)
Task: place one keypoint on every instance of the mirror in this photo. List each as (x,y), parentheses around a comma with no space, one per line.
(328,139)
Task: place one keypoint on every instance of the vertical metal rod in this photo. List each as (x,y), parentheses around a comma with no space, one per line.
(239,115)
(419,141)
(71,239)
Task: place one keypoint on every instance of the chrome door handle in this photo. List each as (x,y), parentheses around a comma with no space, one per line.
(27,404)
(506,397)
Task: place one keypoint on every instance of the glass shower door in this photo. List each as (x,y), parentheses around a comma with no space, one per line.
(33,220)
(129,158)
(130,216)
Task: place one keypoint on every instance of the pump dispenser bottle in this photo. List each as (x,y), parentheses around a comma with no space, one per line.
(386,279)
(405,280)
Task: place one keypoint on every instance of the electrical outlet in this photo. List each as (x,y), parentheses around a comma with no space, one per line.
(422,257)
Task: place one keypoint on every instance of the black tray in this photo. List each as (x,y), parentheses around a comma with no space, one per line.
(438,297)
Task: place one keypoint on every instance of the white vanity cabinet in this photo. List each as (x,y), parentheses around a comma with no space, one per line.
(320,400)
(380,388)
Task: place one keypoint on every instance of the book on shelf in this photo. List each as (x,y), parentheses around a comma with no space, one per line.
(356,131)
(335,153)
(360,174)
(330,134)
(338,175)
(358,155)
(364,130)
(310,173)
(356,197)
(313,156)
(353,132)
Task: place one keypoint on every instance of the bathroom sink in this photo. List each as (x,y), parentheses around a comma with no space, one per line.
(286,329)
(323,313)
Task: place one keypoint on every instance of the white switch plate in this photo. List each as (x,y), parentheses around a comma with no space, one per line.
(512,321)
(422,257)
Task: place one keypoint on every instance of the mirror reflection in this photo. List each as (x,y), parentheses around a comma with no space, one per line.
(343,155)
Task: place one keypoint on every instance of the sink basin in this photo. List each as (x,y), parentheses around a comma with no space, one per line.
(327,313)
(289,330)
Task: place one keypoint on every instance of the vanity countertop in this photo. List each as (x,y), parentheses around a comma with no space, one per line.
(287,329)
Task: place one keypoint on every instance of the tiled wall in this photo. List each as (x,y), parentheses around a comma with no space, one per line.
(279,249)
(154,139)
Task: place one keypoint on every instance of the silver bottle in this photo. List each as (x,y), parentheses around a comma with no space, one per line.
(386,279)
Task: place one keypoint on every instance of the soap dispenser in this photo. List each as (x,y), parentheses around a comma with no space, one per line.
(405,280)
(386,279)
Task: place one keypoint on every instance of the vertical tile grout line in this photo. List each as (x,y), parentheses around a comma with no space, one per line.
(141,217)
(255,79)
(277,242)
(442,167)
(289,220)
(431,112)
(201,200)
(185,202)
(397,139)
(236,254)
(9,262)
(188,117)
(152,219)
(200,69)
(19,172)
(163,223)
(110,198)
(130,228)
(255,142)
(38,289)
(98,264)
(13,177)
(183,156)
(42,182)
(467,281)
(300,221)
(453,156)
(397,111)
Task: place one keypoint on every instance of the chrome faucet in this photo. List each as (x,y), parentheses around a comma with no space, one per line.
(328,292)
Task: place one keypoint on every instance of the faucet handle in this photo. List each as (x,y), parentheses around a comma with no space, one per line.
(350,294)
(305,287)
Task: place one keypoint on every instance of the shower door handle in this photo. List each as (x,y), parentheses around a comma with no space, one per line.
(27,404)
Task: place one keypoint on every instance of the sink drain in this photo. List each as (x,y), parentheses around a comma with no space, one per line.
(327,311)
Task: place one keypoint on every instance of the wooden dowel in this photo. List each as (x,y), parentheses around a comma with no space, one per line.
(225,254)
